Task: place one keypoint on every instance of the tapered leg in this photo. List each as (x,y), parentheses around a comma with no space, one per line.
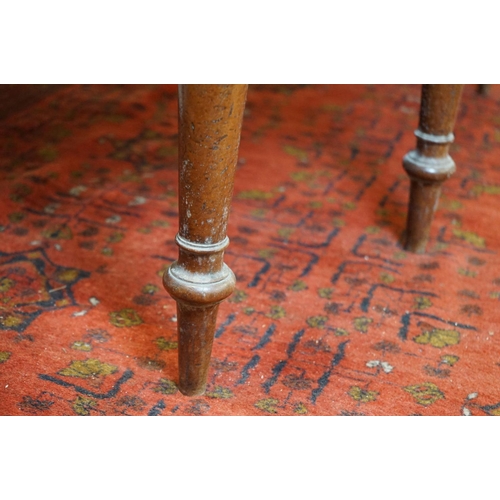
(210,118)
(430,164)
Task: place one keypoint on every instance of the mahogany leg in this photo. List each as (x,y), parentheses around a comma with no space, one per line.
(430,164)
(210,118)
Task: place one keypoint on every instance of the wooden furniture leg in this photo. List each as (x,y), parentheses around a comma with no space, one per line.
(210,118)
(430,164)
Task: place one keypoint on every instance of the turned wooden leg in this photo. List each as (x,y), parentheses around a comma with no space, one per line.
(430,164)
(210,119)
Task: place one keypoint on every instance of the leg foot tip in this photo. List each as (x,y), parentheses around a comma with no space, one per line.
(192,391)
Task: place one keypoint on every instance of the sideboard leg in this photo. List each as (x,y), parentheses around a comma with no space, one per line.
(430,164)
(210,118)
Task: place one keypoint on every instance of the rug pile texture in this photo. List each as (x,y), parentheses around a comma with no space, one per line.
(330,316)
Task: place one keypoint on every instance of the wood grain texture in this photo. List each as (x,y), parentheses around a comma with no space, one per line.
(210,118)
(430,164)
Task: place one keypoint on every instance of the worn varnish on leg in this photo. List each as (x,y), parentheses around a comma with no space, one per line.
(430,164)
(210,118)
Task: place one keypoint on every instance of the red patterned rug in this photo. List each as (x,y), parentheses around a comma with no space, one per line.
(330,315)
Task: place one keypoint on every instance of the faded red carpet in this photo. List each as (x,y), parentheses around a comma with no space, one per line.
(330,316)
